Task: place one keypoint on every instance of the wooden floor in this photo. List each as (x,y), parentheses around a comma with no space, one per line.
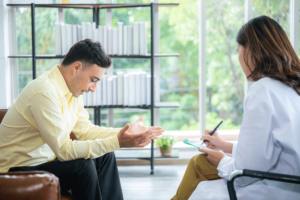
(138,184)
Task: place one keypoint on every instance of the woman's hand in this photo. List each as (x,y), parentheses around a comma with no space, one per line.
(214,156)
(215,141)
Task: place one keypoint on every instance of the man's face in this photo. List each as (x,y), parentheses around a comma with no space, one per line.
(85,79)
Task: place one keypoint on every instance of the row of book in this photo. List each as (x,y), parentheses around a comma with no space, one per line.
(124,40)
(131,89)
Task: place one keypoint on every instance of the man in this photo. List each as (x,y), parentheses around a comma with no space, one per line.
(37,128)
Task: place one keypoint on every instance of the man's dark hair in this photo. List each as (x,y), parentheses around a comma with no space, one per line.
(89,53)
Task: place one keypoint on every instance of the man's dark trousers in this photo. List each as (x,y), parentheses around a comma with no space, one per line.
(89,179)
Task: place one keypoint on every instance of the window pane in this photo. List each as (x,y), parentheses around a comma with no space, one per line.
(276,9)
(225,78)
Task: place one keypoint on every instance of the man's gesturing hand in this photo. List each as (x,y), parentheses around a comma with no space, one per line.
(136,135)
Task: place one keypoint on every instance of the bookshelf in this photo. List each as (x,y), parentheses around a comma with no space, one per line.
(96,14)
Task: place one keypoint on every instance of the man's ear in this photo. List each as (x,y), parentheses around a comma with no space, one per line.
(76,68)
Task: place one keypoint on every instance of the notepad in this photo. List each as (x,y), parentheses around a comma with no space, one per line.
(195,142)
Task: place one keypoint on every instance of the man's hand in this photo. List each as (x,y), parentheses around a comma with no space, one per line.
(214,156)
(136,135)
(215,141)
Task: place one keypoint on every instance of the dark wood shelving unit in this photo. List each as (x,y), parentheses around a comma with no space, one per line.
(96,18)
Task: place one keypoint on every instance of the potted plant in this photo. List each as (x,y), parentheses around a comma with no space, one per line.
(165,143)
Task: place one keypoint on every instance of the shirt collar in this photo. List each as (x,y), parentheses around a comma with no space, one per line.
(62,85)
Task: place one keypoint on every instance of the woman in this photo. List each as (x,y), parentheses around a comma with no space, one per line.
(270,132)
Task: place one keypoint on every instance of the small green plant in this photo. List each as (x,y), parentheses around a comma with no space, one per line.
(165,141)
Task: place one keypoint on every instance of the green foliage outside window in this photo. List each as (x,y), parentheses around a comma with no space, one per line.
(178,76)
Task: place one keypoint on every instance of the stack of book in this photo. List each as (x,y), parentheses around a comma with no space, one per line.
(124,40)
(128,90)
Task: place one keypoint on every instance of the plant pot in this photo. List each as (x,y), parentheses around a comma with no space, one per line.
(166,153)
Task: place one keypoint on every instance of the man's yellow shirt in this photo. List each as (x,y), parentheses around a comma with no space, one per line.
(37,127)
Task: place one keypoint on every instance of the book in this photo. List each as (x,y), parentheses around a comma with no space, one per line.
(125,40)
(90,98)
(136,38)
(114,90)
(148,89)
(90,30)
(105,39)
(109,91)
(100,35)
(84,30)
(104,90)
(126,89)
(110,41)
(130,40)
(137,88)
(64,41)
(120,88)
(120,38)
(115,41)
(143,88)
(132,88)
(95,35)
(74,34)
(99,94)
(58,45)
(79,33)
(69,36)
(143,38)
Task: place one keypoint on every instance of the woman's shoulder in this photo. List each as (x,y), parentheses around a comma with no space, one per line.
(268,86)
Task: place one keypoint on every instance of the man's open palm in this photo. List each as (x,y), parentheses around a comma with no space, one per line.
(137,135)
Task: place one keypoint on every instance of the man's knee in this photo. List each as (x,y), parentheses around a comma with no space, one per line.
(85,166)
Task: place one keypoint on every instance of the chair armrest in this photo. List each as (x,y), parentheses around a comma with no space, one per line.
(258,174)
(29,185)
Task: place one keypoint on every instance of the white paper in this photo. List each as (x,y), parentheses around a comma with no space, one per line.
(197,142)
(58,45)
(136,38)
(115,41)
(120,38)
(130,40)
(126,89)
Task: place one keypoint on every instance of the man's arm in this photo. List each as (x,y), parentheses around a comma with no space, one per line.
(46,110)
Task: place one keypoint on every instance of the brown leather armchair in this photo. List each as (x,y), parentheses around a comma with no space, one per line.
(29,185)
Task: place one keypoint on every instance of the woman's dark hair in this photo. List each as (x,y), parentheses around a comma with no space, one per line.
(87,52)
(271,52)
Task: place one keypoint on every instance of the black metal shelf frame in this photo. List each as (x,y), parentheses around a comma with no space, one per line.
(96,18)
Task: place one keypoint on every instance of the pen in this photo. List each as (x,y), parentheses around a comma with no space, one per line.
(211,133)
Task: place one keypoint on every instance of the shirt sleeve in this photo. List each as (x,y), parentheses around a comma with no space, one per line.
(85,130)
(53,129)
(255,149)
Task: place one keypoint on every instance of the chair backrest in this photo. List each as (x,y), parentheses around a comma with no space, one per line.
(2,114)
